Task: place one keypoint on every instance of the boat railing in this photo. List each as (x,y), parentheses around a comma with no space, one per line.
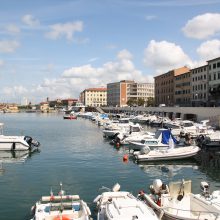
(59,198)
(196,214)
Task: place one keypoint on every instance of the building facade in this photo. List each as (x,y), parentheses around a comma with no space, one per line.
(119,93)
(94,97)
(182,89)
(214,82)
(164,86)
(199,86)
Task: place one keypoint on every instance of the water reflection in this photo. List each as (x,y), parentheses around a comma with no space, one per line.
(209,163)
(168,169)
(15,156)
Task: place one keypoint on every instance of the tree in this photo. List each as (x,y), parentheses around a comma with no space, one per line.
(140,102)
(132,102)
(150,101)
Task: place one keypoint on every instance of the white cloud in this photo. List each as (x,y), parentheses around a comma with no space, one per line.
(8,46)
(124,54)
(93,59)
(202,26)
(150,17)
(164,56)
(1,63)
(13,29)
(30,20)
(66,30)
(209,49)
(75,79)
(15,90)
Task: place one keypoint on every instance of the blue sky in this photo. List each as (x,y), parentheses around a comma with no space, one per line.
(57,48)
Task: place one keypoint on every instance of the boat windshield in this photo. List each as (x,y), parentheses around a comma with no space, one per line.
(124,121)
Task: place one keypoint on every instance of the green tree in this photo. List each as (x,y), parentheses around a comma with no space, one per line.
(132,102)
(150,101)
(140,102)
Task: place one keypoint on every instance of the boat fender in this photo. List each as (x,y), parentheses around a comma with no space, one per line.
(97,199)
(159,201)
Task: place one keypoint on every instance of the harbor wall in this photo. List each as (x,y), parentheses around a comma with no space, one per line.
(190,113)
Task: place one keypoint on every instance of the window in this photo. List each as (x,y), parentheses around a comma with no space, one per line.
(214,65)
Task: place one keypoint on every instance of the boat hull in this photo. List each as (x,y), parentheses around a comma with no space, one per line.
(165,155)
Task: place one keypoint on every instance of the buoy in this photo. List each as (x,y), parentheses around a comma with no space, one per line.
(63,217)
(125,157)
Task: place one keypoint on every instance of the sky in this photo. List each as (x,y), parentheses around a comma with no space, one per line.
(58,48)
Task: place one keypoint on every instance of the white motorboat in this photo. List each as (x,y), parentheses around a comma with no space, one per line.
(16,142)
(177,153)
(160,139)
(65,207)
(123,125)
(121,205)
(212,199)
(177,202)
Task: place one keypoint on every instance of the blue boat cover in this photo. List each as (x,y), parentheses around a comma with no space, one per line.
(166,136)
(104,116)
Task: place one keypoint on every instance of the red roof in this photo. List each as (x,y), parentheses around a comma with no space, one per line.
(96,89)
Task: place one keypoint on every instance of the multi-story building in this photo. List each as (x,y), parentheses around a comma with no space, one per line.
(199,86)
(164,86)
(94,97)
(214,81)
(119,93)
(182,89)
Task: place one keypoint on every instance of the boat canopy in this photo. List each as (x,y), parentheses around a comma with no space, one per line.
(166,134)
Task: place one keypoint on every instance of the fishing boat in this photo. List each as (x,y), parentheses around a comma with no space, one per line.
(65,207)
(116,204)
(16,142)
(177,202)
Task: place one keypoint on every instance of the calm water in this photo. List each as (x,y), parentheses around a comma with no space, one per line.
(74,152)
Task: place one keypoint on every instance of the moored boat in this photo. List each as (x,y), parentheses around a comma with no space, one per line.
(115,205)
(177,202)
(65,207)
(166,154)
(70,116)
(16,142)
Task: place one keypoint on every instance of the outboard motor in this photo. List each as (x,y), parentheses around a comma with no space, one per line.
(204,187)
(157,184)
(145,150)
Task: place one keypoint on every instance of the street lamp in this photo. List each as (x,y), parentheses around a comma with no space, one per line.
(196,96)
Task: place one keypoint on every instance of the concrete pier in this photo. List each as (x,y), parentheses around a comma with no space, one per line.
(190,113)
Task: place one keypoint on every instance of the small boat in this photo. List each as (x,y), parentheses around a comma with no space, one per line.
(70,116)
(65,207)
(166,154)
(177,202)
(115,205)
(160,139)
(16,142)
(212,199)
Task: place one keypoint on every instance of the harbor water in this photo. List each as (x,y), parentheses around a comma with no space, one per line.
(75,153)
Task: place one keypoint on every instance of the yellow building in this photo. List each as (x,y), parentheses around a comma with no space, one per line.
(11,108)
(44,107)
(94,97)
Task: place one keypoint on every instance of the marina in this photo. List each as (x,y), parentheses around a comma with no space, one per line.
(75,153)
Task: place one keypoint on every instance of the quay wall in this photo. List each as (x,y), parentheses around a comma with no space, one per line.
(191,113)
